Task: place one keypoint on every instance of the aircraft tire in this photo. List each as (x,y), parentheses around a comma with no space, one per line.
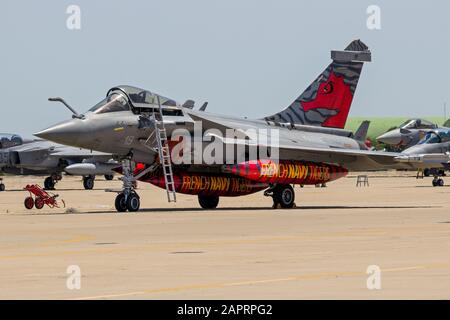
(38,203)
(2,187)
(28,203)
(88,183)
(120,203)
(284,195)
(109,177)
(440,182)
(133,202)
(208,202)
(426,172)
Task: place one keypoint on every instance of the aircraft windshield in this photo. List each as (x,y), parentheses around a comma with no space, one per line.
(141,96)
(417,124)
(430,137)
(9,140)
(113,103)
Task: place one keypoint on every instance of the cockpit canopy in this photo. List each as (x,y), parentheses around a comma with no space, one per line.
(9,140)
(138,97)
(435,137)
(125,98)
(114,102)
(418,124)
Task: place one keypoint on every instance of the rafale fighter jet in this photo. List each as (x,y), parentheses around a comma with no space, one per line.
(195,152)
(38,157)
(434,141)
(408,133)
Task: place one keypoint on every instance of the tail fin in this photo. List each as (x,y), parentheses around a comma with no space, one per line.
(326,102)
(361,132)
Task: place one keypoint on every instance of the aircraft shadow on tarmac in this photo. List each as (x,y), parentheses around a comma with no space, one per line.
(270,208)
(174,210)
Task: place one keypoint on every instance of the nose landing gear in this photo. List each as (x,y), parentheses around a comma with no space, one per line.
(127,199)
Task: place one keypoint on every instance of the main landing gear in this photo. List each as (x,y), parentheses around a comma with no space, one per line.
(127,198)
(49,182)
(283,195)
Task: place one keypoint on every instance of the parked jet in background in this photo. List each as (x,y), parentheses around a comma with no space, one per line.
(434,141)
(40,157)
(136,125)
(407,134)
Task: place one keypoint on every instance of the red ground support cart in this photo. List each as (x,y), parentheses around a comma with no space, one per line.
(41,197)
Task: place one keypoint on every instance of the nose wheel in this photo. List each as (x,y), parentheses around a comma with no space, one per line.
(129,203)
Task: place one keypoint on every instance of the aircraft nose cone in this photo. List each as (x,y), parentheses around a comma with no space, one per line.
(392,137)
(68,132)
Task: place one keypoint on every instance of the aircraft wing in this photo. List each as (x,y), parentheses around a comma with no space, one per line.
(352,159)
(357,160)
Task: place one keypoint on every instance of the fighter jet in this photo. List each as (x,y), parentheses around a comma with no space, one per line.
(436,141)
(39,157)
(407,134)
(191,151)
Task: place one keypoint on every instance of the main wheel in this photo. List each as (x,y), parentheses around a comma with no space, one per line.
(49,183)
(2,187)
(133,202)
(208,202)
(120,203)
(109,177)
(440,182)
(284,195)
(88,183)
(435,182)
(29,203)
(39,203)
(426,172)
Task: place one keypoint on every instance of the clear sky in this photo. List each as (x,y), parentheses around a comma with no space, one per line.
(248,58)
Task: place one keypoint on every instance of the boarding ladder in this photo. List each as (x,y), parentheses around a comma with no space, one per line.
(164,152)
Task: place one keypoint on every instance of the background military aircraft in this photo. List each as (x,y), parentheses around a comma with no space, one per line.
(39,157)
(135,125)
(408,133)
(433,141)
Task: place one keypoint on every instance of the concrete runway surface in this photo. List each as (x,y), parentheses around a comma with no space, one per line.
(242,250)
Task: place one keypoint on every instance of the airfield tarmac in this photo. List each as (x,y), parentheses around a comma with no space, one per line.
(242,250)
